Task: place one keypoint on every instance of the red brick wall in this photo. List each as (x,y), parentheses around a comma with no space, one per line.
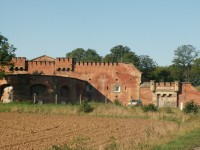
(105,76)
(47,68)
(102,76)
(188,93)
(22,85)
(19,61)
(63,62)
(146,95)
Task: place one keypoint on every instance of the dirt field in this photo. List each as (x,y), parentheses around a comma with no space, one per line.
(35,131)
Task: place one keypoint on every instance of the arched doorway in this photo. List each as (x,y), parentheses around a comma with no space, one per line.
(39,90)
(64,94)
(6,93)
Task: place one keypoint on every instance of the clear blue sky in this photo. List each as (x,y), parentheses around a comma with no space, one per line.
(55,27)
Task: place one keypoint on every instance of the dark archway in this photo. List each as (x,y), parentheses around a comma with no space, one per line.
(64,94)
(39,90)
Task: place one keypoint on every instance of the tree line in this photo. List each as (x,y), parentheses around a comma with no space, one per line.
(185,65)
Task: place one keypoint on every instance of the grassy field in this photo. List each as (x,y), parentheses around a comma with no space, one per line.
(186,135)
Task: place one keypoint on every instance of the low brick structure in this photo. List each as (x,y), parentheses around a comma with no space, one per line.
(105,81)
(168,94)
(64,80)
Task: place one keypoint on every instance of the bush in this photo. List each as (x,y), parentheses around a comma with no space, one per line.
(150,107)
(117,102)
(85,106)
(191,107)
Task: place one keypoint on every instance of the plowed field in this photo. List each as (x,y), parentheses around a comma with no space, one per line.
(37,131)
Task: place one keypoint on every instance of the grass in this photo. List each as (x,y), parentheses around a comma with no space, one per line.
(25,107)
(185,142)
(186,135)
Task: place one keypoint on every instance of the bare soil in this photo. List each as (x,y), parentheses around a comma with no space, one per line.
(37,131)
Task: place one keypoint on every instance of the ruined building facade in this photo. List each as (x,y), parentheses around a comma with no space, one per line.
(62,80)
(69,80)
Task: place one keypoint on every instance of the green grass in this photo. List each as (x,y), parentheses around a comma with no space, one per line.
(185,142)
(26,107)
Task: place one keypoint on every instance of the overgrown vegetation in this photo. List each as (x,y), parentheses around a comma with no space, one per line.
(117,102)
(85,106)
(150,107)
(191,107)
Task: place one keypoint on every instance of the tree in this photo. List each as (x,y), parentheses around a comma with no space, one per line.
(146,66)
(6,54)
(195,72)
(108,58)
(184,58)
(91,56)
(122,53)
(162,74)
(176,72)
(80,54)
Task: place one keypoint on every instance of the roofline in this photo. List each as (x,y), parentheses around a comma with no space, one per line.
(42,56)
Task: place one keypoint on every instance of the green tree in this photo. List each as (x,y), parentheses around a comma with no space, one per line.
(6,54)
(80,54)
(184,58)
(162,74)
(122,53)
(147,65)
(91,56)
(77,53)
(108,58)
(195,72)
(176,72)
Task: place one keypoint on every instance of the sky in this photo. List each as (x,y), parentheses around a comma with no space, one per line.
(55,27)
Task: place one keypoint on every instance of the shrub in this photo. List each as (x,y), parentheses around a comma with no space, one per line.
(150,107)
(191,107)
(117,102)
(85,106)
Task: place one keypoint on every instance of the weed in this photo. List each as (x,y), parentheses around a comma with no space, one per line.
(64,147)
(150,107)
(113,145)
(86,107)
(117,102)
(191,107)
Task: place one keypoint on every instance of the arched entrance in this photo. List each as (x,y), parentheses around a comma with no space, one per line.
(6,93)
(64,94)
(39,91)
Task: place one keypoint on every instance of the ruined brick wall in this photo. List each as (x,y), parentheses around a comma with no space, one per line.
(106,81)
(19,62)
(103,77)
(162,94)
(173,93)
(63,64)
(106,76)
(45,87)
(41,67)
(188,93)
(146,94)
